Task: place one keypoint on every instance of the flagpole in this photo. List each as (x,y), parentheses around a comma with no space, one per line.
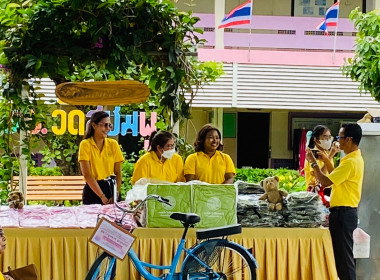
(249,43)
(250,33)
(336,32)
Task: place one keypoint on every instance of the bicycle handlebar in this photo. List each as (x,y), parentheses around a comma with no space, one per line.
(141,203)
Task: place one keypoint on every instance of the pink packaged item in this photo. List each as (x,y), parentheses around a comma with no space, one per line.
(87,215)
(8,217)
(34,216)
(62,217)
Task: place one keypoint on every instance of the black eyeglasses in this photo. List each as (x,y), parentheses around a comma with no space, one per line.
(338,137)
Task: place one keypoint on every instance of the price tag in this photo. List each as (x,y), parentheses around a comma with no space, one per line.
(113,239)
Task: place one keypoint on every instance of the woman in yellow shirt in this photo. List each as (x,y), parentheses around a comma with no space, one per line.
(99,157)
(161,162)
(209,164)
(321,142)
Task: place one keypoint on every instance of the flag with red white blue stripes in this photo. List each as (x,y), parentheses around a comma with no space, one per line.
(331,18)
(240,15)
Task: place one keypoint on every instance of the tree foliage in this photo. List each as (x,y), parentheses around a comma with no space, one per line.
(81,40)
(364,67)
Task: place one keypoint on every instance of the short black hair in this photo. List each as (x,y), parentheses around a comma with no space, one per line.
(354,131)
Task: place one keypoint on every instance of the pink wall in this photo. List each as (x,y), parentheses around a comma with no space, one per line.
(277,24)
(273,57)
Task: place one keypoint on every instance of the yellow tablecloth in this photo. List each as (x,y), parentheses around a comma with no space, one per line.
(66,254)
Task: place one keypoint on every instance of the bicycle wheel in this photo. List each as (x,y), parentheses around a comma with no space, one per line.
(104,268)
(227,259)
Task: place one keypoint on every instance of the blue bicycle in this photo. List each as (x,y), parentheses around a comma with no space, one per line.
(212,257)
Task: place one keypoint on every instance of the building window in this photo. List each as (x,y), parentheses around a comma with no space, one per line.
(311,8)
(317,8)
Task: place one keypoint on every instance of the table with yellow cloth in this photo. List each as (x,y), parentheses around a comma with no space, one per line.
(66,254)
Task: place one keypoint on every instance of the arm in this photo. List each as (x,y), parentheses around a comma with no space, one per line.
(327,164)
(90,180)
(190,167)
(189,177)
(322,178)
(229,178)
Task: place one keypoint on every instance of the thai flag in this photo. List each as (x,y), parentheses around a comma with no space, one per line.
(240,15)
(331,18)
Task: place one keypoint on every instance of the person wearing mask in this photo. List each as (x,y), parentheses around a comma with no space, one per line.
(99,157)
(321,142)
(209,164)
(346,182)
(161,162)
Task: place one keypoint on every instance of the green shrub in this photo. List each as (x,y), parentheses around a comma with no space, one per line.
(290,180)
(44,171)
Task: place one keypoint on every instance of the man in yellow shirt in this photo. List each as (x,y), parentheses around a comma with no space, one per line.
(346,182)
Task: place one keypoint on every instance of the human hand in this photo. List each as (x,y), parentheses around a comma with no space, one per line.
(104,200)
(310,156)
(335,148)
(322,156)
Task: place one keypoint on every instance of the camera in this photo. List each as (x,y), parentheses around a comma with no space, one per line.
(315,153)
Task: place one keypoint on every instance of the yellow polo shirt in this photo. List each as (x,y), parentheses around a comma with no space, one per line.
(150,166)
(347,181)
(102,163)
(309,172)
(1,276)
(209,170)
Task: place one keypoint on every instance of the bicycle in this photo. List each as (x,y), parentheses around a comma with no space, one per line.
(212,257)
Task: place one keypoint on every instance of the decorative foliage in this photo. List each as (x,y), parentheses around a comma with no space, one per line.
(364,67)
(290,180)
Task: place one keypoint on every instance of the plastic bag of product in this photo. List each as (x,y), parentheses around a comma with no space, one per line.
(362,242)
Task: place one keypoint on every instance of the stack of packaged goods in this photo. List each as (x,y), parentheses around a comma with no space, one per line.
(247,216)
(305,209)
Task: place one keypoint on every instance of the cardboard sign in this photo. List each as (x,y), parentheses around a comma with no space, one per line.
(113,239)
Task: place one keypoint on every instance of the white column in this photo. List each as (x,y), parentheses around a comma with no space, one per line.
(217,119)
(376,5)
(22,159)
(219,9)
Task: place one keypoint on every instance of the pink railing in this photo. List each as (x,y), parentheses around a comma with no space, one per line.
(281,32)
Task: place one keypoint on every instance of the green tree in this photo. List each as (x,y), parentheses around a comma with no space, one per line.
(364,67)
(81,40)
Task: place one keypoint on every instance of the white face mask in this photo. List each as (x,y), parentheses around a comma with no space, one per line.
(169,153)
(325,144)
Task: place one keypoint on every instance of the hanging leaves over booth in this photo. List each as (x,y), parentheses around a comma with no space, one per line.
(144,40)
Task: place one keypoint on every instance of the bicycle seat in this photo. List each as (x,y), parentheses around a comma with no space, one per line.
(186,218)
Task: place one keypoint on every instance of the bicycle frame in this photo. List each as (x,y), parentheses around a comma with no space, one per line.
(140,266)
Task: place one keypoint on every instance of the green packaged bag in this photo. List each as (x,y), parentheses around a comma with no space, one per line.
(215,204)
(158,214)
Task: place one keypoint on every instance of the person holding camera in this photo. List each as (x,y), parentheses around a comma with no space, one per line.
(323,148)
(346,182)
